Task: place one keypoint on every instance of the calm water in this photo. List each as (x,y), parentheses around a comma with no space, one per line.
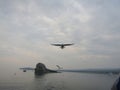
(55,81)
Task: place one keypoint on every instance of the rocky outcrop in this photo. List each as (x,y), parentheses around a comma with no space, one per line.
(41,69)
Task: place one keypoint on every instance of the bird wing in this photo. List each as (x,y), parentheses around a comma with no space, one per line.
(67,44)
(57,44)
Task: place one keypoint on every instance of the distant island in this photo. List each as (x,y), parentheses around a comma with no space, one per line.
(41,69)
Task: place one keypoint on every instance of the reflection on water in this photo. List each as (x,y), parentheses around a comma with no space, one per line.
(56,81)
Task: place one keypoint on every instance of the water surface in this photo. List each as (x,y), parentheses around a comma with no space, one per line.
(56,81)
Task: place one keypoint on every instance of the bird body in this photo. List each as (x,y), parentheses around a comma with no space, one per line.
(62,46)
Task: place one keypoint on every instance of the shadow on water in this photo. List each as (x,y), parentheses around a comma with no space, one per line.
(49,81)
(41,76)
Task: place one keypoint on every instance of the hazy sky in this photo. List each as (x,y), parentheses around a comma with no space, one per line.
(28,27)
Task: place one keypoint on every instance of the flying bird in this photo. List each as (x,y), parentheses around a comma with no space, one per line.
(58,67)
(62,46)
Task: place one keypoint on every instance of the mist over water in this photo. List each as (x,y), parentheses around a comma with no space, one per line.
(19,80)
(29,27)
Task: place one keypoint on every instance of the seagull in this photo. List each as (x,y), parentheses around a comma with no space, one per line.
(59,68)
(62,46)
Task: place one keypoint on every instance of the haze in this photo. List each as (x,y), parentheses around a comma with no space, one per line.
(28,27)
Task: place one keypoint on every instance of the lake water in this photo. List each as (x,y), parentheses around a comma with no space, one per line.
(55,81)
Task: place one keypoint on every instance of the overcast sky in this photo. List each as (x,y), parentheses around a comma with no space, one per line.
(28,27)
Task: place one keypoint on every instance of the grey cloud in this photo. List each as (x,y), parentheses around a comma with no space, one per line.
(29,27)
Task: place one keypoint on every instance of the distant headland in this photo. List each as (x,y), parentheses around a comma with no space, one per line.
(41,69)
